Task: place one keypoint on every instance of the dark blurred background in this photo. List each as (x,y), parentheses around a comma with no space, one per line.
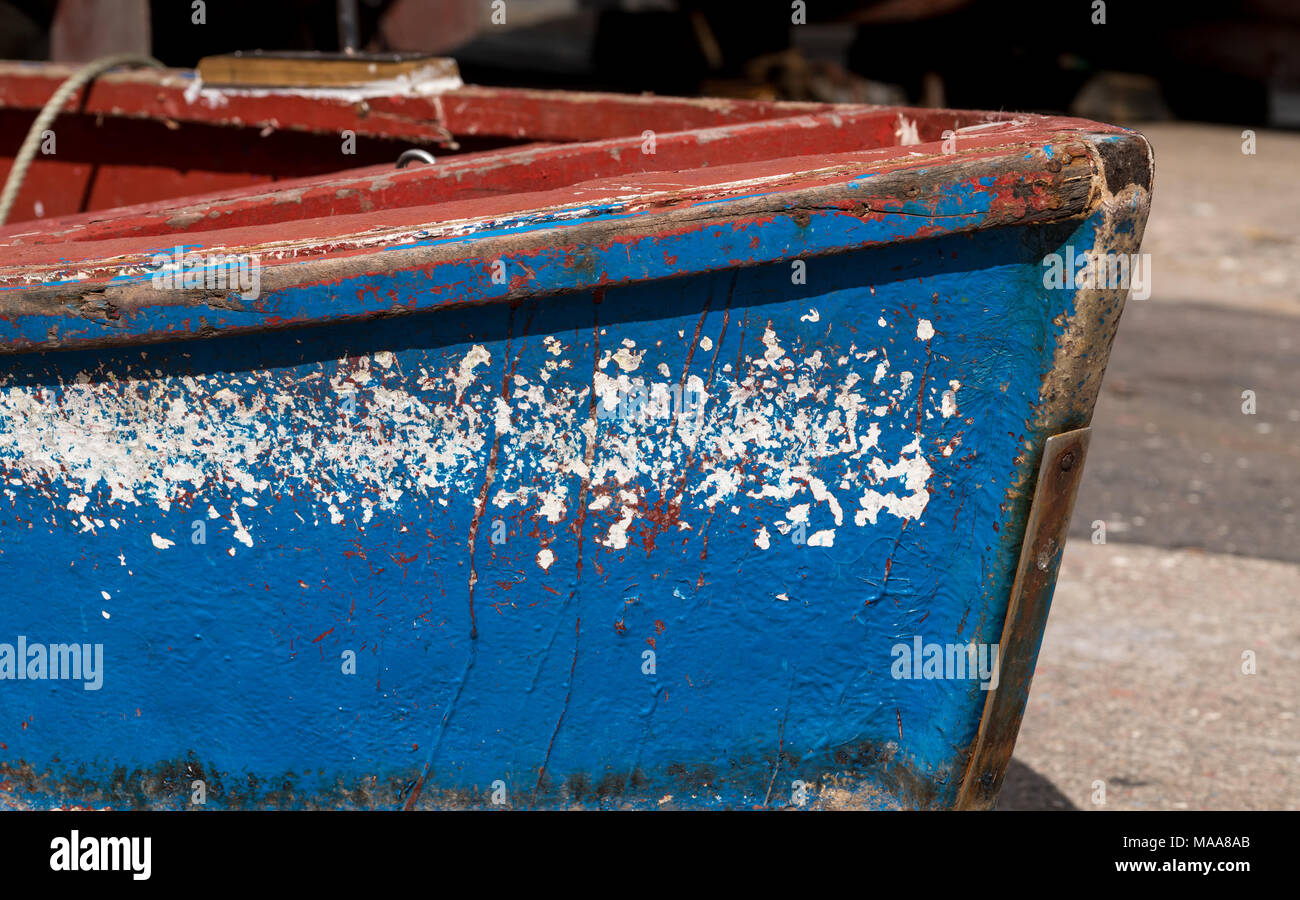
(1235,61)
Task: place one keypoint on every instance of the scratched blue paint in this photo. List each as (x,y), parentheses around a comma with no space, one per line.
(708,248)
(233,662)
(704,249)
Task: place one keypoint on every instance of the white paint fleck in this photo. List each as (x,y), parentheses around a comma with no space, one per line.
(824,538)
(501,415)
(241,533)
(478,355)
(161,543)
(906,131)
(545,558)
(949,400)
(822,494)
(617,537)
(628,360)
(773,354)
(553,506)
(924,330)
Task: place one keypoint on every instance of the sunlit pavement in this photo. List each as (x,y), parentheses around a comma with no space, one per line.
(1142,685)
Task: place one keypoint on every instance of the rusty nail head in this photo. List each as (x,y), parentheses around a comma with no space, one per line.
(1067,461)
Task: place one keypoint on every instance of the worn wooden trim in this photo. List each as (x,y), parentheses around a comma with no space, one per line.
(927,197)
(1031,598)
(1123,165)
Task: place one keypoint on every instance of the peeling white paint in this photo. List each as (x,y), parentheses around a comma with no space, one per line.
(948,405)
(477,356)
(241,533)
(113,444)
(824,538)
(906,131)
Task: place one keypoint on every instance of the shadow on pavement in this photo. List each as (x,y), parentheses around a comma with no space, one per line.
(1025,789)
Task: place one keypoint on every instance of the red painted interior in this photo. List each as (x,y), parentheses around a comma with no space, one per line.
(134,138)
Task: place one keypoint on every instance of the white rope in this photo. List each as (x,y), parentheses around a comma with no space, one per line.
(51,110)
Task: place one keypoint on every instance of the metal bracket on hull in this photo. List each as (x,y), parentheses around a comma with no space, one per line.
(1031,597)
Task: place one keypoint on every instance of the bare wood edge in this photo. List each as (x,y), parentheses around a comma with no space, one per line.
(1031,598)
(251,70)
(1123,181)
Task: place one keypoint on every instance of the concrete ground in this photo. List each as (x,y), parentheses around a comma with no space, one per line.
(1140,681)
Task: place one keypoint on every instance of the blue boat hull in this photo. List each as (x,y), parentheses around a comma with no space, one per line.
(419,561)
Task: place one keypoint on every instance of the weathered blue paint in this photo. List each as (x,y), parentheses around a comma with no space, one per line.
(474,662)
(556,266)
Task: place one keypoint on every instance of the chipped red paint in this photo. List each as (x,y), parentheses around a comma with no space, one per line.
(572,138)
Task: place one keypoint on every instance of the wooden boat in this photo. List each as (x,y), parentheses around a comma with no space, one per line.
(638,452)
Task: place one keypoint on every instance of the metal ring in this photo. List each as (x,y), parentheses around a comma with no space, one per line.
(423,156)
